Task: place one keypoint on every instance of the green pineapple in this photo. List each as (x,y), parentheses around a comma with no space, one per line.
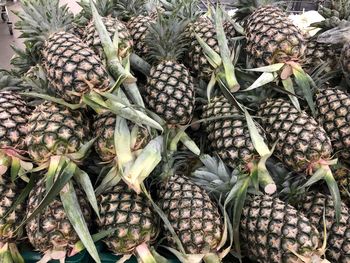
(72,68)
(169,90)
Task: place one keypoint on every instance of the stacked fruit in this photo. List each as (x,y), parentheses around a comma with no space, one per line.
(131,123)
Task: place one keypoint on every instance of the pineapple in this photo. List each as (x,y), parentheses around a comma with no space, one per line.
(194,217)
(318,53)
(9,192)
(113,25)
(272,37)
(14,113)
(333,112)
(271,230)
(169,89)
(342,176)
(132,217)
(54,129)
(302,142)
(229,137)
(51,232)
(345,61)
(338,235)
(104,126)
(72,67)
(139,18)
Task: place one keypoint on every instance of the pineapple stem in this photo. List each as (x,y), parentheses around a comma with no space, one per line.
(211,258)
(145,254)
(139,64)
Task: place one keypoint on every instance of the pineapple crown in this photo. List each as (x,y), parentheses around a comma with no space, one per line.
(104,8)
(166,38)
(40,18)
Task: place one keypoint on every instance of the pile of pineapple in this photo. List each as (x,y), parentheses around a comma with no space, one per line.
(176,129)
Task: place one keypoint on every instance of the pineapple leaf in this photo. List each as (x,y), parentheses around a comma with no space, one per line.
(288,86)
(5,254)
(145,254)
(334,190)
(257,140)
(213,58)
(15,167)
(130,113)
(55,166)
(303,82)
(111,179)
(225,53)
(15,254)
(75,215)
(189,143)
(268,69)
(264,79)
(53,99)
(83,151)
(83,179)
(122,141)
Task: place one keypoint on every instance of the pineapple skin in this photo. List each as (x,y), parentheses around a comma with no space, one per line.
(170,92)
(272,37)
(54,129)
(14,114)
(345,61)
(9,192)
(269,227)
(338,235)
(229,137)
(342,176)
(72,68)
(138,28)
(301,140)
(113,25)
(333,112)
(51,228)
(103,127)
(194,217)
(318,53)
(131,214)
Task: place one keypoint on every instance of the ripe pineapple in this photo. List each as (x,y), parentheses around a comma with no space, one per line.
(169,89)
(229,137)
(103,127)
(272,37)
(72,68)
(54,129)
(333,112)
(113,25)
(271,229)
(338,235)
(302,142)
(51,231)
(194,217)
(132,216)
(14,114)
